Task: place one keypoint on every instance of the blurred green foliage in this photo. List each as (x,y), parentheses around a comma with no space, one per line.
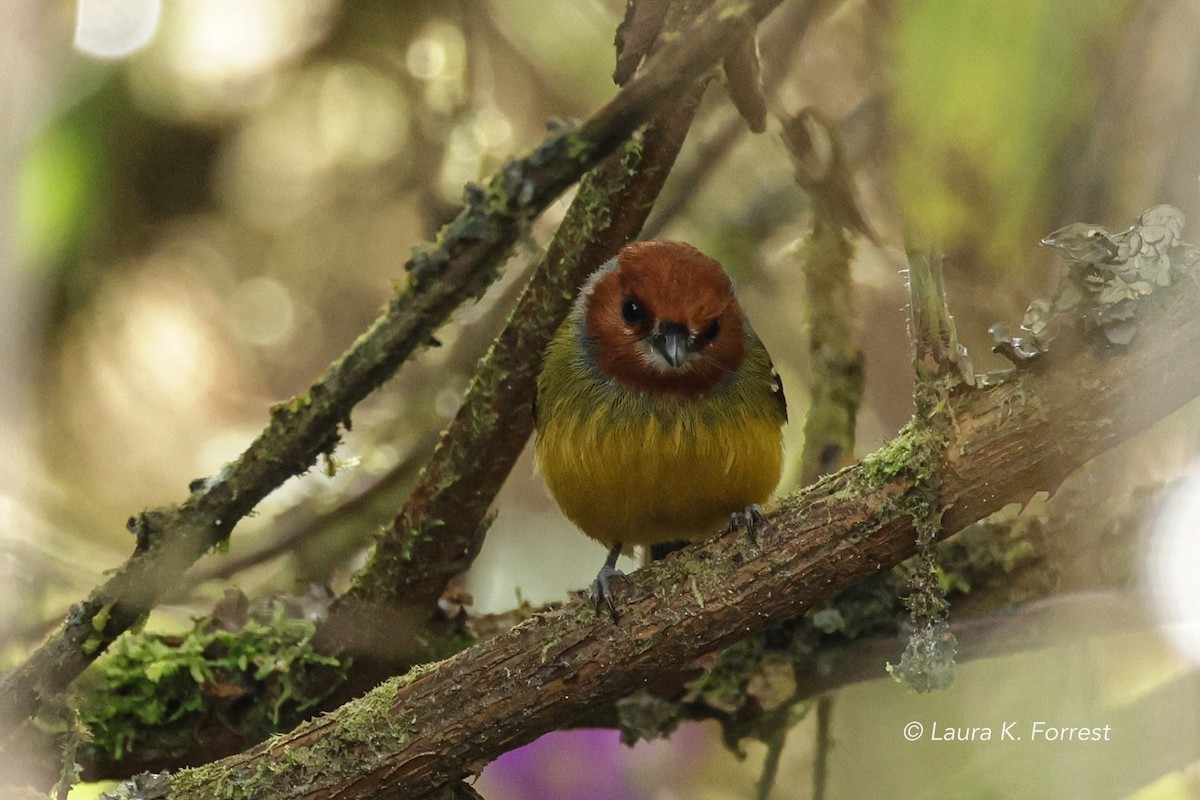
(985,97)
(61,187)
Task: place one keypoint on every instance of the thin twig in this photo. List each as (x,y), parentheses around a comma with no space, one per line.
(781,40)
(821,747)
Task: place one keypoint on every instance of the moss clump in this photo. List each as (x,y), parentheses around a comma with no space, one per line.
(912,454)
(643,716)
(255,679)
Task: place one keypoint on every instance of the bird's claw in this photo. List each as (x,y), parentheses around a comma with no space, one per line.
(752,519)
(602,589)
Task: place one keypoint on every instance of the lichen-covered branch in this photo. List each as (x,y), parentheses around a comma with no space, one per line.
(1012,437)
(836,361)
(437,279)
(389,619)
(928,660)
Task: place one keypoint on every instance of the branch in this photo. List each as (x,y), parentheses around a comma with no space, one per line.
(438,279)
(1013,436)
(305,523)
(835,358)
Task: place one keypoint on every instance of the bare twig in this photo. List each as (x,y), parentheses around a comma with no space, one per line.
(305,524)
(1045,622)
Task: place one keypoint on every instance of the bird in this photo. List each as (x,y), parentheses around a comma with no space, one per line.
(659,414)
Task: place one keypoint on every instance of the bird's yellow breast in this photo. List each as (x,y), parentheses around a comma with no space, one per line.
(642,478)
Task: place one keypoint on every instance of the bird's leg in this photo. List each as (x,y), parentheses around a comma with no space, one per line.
(752,519)
(602,586)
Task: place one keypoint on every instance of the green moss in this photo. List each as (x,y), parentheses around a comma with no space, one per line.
(928,661)
(374,721)
(914,456)
(96,638)
(577,146)
(290,408)
(364,730)
(148,687)
(212,781)
(892,460)
(917,456)
(586,614)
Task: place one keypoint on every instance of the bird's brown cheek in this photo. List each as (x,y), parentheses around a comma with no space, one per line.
(620,360)
(729,347)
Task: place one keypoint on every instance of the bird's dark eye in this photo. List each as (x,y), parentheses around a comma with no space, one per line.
(712,330)
(632,311)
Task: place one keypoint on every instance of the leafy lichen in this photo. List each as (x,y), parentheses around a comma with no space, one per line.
(928,661)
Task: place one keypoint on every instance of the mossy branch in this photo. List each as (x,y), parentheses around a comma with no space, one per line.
(437,279)
(1012,437)
(836,361)
(928,659)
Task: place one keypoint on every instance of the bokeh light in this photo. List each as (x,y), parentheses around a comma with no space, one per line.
(1172,566)
(263,311)
(115,28)
(438,58)
(214,57)
(284,162)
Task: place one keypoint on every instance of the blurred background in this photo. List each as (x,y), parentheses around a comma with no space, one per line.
(204,202)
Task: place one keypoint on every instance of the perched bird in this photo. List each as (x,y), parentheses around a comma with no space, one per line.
(659,413)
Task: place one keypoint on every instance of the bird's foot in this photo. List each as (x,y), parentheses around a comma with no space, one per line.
(602,586)
(752,519)
(602,593)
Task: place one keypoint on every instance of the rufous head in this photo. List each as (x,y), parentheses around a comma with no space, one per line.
(662,318)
